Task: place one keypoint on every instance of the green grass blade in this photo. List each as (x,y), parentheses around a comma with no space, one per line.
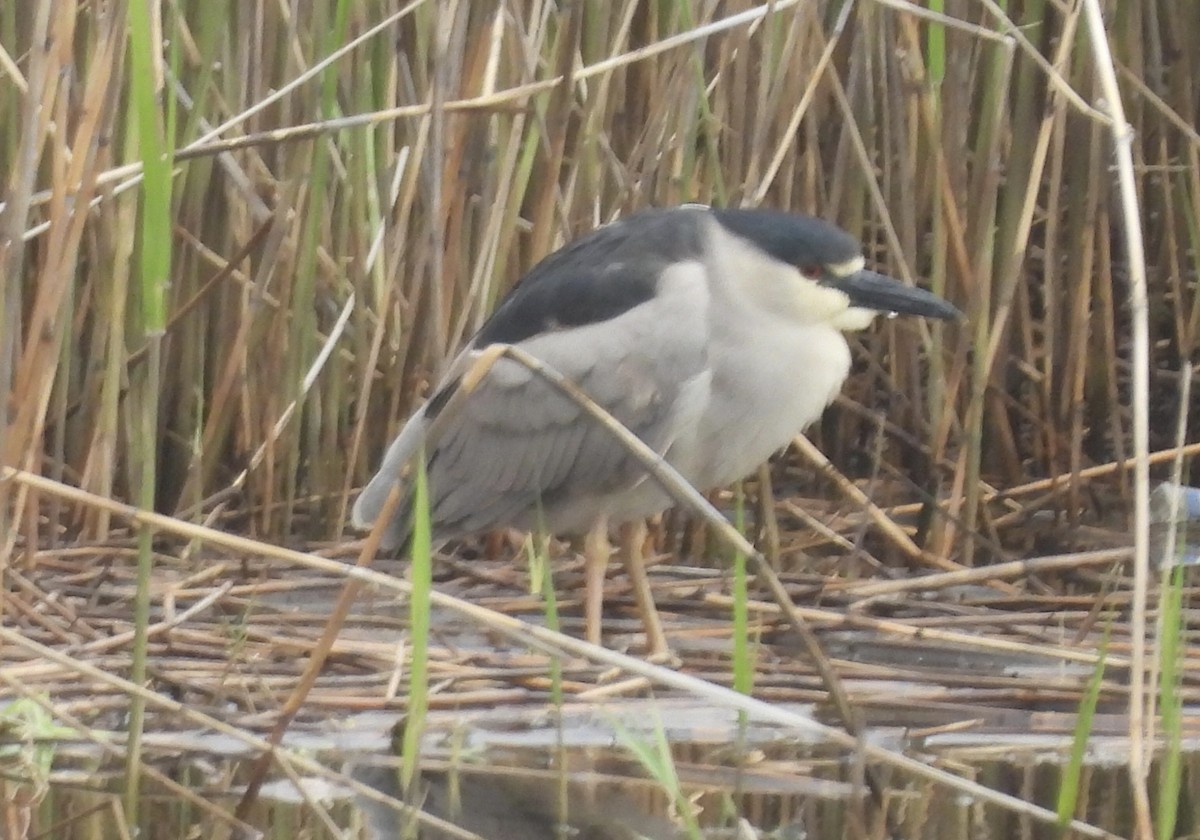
(541,562)
(1068,791)
(1171,653)
(535,548)
(657,760)
(153,144)
(418,619)
(743,665)
(935,42)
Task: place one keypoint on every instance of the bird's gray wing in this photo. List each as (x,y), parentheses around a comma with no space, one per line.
(517,449)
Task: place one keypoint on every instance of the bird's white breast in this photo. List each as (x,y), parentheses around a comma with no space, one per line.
(776,361)
(765,390)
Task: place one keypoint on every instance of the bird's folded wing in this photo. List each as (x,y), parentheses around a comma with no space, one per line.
(520,448)
(512,448)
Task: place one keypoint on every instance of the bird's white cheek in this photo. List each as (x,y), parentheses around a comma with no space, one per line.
(853,319)
(813,304)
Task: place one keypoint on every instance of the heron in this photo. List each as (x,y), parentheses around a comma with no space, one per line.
(714,334)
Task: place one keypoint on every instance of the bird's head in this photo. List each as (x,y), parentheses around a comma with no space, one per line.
(816,271)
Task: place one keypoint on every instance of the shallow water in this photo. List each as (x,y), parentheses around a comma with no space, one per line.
(515,773)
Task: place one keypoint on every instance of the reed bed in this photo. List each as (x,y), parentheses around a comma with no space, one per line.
(982,674)
(238,240)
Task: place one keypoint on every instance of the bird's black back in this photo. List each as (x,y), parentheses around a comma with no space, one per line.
(596,277)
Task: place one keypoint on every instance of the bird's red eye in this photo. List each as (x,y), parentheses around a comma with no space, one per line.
(812,271)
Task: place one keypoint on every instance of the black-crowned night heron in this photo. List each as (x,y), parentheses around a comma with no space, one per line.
(714,335)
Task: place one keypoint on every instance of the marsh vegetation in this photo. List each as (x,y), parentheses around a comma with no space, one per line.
(239,239)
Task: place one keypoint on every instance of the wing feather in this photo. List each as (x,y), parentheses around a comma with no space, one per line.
(519,450)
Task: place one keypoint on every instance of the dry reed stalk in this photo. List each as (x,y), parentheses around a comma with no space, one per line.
(1139,760)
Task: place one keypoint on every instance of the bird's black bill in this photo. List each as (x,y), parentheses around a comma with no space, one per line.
(869,290)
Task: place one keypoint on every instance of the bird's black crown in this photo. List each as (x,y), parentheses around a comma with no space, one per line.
(791,238)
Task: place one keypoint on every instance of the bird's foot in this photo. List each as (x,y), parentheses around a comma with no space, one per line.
(665,657)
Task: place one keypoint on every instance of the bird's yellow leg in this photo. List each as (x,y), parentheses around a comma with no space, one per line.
(633,542)
(596,551)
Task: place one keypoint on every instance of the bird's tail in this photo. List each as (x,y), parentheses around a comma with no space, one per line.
(371,501)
